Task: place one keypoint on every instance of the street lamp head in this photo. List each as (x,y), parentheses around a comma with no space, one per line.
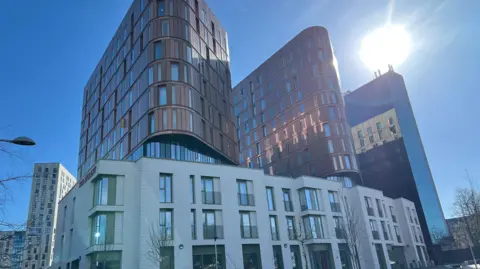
(23,141)
(97,234)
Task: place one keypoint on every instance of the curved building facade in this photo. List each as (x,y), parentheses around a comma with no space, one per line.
(162,89)
(290,113)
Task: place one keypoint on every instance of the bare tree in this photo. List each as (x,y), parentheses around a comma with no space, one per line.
(467,207)
(302,237)
(160,243)
(351,233)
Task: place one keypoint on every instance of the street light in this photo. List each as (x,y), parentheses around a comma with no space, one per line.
(21,140)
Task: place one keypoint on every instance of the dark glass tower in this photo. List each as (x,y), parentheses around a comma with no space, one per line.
(162,89)
(390,151)
(290,113)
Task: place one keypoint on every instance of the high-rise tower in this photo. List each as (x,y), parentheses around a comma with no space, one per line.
(290,113)
(162,89)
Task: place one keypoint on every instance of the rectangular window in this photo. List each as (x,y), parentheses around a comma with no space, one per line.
(161,8)
(192,189)
(334,202)
(332,113)
(292,233)
(165,188)
(158,51)
(191,122)
(174,71)
(287,200)
(165,119)
(193,223)
(330,146)
(270,199)
(274,228)
(309,199)
(166,225)
(209,193)
(174,119)
(151,123)
(326,129)
(150,75)
(165,28)
(314,226)
(374,228)
(163,96)
(346,159)
(102,191)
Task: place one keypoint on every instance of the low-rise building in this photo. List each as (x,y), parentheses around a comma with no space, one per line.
(173,214)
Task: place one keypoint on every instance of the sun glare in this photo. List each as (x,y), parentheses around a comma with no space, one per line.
(384,46)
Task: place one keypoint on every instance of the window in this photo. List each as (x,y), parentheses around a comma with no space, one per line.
(102,191)
(174,70)
(163,96)
(151,123)
(158,51)
(309,199)
(273,228)
(369,205)
(209,195)
(192,189)
(270,199)
(379,129)
(346,159)
(287,200)
(247,228)
(330,146)
(193,223)
(174,118)
(360,137)
(161,8)
(166,224)
(159,72)
(370,134)
(150,75)
(384,230)
(292,233)
(165,188)
(334,203)
(191,122)
(211,227)
(174,95)
(165,28)
(264,131)
(374,228)
(314,226)
(397,233)
(394,218)
(332,113)
(339,227)
(99,227)
(326,129)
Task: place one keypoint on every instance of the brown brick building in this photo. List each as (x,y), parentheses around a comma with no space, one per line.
(162,89)
(290,113)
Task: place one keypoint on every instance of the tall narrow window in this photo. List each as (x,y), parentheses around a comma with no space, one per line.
(159,72)
(194,222)
(270,199)
(326,129)
(166,221)
(174,96)
(165,119)
(165,188)
(174,71)
(165,28)
(174,119)
(191,122)
(151,123)
(192,189)
(330,146)
(273,228)
(158,50)
(150,75)
(332,113)
(163,96)
(161,7)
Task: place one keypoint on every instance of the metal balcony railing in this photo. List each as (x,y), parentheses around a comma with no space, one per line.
(211,198)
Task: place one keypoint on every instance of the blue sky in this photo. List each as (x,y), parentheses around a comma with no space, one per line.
(49,49)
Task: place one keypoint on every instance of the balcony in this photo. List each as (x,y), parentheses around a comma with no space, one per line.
(376,235)
(394,219)
(335,207)
(211,198)
(292,235)
(249,231)
(288,206)
(246,199)
(212,232)
(370,211)
(399,239)
(340,233)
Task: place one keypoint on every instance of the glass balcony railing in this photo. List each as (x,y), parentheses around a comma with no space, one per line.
(246,199)
(335,207)
(212,232)
(211,198)
(249,231)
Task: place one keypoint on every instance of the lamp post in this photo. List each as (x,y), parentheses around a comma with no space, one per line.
(97,235)
(21,140)
(215,244)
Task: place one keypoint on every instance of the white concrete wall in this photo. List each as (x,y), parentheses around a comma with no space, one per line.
(137,210)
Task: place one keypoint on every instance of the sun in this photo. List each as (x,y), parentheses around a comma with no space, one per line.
(384,46)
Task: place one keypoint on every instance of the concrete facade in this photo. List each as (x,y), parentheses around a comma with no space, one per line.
(50,183)
(138,195)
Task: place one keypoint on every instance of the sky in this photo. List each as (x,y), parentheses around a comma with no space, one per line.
(49,49)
